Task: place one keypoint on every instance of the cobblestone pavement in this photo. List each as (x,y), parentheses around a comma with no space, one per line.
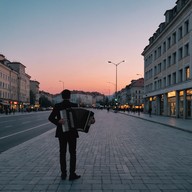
(119,154)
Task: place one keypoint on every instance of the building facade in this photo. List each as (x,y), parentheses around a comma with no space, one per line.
(14,85)
(34,88)
(168,64)
(132,95)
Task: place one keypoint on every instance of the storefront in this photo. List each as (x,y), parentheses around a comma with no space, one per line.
(189,103)
(172,103)
(4,105)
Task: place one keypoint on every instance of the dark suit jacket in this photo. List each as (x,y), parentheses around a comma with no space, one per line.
(54,117)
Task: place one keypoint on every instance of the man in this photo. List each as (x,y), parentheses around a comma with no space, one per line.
(69,137)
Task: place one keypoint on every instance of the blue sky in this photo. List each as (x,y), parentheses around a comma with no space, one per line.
(72,40)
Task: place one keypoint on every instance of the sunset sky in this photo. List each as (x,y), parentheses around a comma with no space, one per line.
(73,40)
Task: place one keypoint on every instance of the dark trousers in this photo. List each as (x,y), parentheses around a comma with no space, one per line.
(72,142)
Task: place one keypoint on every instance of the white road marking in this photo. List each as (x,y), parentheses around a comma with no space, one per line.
(23,131)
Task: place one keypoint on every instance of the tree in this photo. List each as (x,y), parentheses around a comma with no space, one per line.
(45,102)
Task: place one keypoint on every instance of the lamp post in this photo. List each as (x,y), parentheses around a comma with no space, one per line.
(116,65)
(62,83)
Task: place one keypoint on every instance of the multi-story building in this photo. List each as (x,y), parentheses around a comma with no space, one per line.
(14,85)
(23,84)
(132,94)
(168,64)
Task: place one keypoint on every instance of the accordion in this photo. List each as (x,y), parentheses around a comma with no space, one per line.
(77,118)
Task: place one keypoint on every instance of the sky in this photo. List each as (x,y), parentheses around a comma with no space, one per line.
(68,43)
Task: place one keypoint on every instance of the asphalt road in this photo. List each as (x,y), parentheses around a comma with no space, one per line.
(18,128)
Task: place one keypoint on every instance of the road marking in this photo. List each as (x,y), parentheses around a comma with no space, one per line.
(26,122)
(8,126)
(6,121)
(24,131)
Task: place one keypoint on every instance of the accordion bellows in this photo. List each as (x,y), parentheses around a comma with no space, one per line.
(77,118)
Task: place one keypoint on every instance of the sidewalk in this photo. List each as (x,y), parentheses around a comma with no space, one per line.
(119,154)
(181,124)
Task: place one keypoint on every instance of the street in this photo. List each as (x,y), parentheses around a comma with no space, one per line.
(119,153)
(15,129)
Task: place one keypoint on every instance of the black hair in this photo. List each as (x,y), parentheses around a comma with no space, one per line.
(66,94)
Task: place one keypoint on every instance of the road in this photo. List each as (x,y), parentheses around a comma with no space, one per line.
(18,128)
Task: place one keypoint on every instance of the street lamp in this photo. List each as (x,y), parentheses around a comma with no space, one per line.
(62,83)
(116,65)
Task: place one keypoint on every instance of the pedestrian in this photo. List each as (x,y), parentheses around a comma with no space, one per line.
(65,138)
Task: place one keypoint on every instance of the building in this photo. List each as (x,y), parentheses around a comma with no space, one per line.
(34,95)
(14,85)
(83,99)
(168,64)
(132,95)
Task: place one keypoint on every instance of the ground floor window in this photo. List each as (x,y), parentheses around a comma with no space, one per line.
(172,106)
(189,103)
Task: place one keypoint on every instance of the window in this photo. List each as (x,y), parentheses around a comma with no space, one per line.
(159,68)
(180,32)
(186,27)
(169,80)
(169,61)
(169,42)
(187,73)
(174,78)
(159,51)
(174,58)
(155,53)
(180,56)
(164,64)
(186,50)
(174,38)
(164,47)
(155,70)
(164,81)
(180,75)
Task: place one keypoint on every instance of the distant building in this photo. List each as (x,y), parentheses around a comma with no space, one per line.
(132,94)
(84,99)
(168,64)
(34,88)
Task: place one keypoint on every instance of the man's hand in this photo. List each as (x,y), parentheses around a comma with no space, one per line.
(61,121)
